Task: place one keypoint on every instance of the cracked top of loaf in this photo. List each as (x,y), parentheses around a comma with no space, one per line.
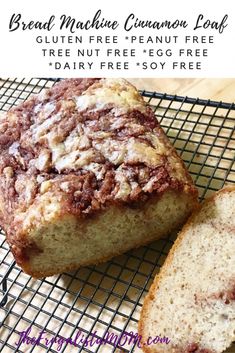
(79,146)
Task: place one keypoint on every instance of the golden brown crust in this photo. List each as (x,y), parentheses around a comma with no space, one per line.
(151,294)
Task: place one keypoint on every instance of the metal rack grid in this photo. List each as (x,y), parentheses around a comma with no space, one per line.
(109,296)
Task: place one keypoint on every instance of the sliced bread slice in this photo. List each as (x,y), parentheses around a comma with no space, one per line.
(192,300)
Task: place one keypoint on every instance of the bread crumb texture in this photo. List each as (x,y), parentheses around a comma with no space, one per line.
(192,300)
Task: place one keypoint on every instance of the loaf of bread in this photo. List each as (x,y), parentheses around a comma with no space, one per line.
(192,300)
(86,173)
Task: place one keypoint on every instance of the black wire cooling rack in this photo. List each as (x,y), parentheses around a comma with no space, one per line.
(108,298)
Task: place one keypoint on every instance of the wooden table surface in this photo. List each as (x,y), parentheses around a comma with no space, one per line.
(214,89)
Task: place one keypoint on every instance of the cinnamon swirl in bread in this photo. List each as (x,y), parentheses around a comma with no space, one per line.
(87,173)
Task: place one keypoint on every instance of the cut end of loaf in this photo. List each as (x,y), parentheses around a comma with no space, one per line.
(69,242)
(192,300)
